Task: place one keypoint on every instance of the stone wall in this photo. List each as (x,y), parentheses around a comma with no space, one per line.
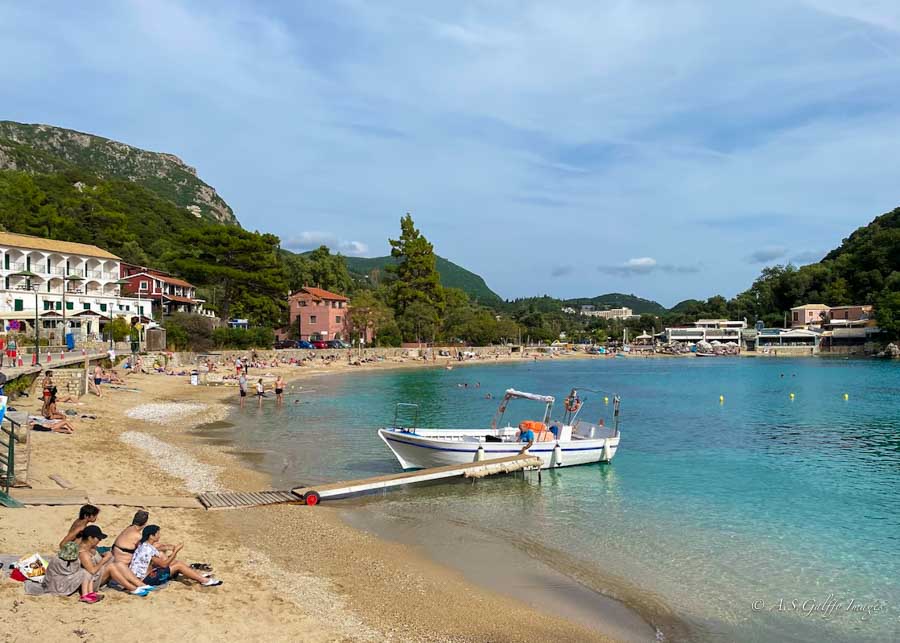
(188,359)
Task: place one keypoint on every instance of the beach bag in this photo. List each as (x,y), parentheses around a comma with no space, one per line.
(32,567)
(69,551)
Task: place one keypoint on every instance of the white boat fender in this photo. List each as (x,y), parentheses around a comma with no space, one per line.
(605,456)
(556,458)
(479,454)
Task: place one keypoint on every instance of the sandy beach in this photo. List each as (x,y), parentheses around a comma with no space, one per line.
(295,573)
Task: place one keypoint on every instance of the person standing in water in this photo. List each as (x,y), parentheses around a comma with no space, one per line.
(242,385)
(260,392)
(279,390)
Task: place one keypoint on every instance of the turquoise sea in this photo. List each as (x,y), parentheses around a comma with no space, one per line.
(760,518)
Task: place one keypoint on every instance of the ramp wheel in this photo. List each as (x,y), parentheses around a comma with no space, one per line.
(311,498)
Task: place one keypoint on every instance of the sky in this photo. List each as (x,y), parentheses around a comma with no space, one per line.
(670,149)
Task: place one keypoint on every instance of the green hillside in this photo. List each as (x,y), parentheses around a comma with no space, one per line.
(43,149)
(452,276)
(619,300)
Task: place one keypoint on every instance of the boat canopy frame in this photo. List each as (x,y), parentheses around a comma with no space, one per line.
(512,394)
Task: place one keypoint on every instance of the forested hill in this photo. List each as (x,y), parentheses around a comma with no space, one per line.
(864,269)
(452,276)
(44,149)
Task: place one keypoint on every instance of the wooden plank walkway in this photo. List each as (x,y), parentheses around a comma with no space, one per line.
(233,499)
(74,497)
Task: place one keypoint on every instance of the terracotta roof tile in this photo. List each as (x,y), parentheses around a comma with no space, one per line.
(52,245)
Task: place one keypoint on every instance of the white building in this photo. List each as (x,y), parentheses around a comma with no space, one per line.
(612,313)
(707,330)
(71,282)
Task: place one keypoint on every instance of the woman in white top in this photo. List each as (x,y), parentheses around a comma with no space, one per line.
(156,568)
(260,391)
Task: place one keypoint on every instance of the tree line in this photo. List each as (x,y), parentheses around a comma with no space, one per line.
(247,274)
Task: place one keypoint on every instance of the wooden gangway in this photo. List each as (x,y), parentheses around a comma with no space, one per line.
(479,469)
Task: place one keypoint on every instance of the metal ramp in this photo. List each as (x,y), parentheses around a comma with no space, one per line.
(235,499)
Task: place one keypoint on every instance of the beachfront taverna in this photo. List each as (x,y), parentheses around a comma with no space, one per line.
(73,285)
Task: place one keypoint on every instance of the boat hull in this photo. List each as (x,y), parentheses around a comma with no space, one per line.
(415,451)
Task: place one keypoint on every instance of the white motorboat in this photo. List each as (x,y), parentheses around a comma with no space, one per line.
(559,443)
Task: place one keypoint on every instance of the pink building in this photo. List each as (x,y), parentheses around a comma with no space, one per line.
(808,315)
(318,314)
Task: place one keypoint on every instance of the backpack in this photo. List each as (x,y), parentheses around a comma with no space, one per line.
(69,551)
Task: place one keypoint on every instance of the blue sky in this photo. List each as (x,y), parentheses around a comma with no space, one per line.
(662,148)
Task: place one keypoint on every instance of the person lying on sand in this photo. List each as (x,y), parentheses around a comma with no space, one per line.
(86,515)
(56,426)
(157,567)
(113,377)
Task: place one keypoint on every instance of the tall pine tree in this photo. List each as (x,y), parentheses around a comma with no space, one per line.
(415,291)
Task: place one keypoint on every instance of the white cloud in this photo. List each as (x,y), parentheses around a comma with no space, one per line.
(644,266)
(310,240)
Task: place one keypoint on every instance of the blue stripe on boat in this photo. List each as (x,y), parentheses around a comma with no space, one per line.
(532,450)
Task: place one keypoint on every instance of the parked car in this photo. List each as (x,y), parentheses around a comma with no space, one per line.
(336,343)
(286,343)
(321,343)
(304,344)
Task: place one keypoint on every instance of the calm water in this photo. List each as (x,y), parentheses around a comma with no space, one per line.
(741,516)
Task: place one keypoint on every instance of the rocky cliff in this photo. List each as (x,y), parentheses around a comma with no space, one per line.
(48,149)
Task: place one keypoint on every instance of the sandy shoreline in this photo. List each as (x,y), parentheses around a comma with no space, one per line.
(303,574)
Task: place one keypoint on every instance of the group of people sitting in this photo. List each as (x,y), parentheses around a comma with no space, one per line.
(138,562)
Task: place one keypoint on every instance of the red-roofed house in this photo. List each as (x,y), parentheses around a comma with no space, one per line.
(318,314)
(169,294)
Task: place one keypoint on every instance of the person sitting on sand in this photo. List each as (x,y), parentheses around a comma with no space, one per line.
(50,411)
(100,568)
(157,568)
(86,515)
(126,542)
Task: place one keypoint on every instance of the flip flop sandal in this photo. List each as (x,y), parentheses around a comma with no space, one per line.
(90,598)
(203,567)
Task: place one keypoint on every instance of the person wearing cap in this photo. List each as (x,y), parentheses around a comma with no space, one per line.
(157,568)
(100,568)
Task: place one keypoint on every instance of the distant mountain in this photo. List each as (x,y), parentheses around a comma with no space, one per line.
(619,300)
(44,149)
(686,305)
(452,276)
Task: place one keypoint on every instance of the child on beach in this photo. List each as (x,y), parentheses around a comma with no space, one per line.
(86,515)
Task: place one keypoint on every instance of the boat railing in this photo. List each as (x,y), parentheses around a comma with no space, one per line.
(405,408)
